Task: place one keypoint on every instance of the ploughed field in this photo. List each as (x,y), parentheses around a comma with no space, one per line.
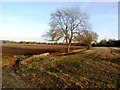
(81,68)
(31,49)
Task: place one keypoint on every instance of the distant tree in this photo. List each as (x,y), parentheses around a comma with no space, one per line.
(87,37)
(110,42)
(8,41)
(22,42)
(65,24)
(103,42)
(3,41)
(27,42)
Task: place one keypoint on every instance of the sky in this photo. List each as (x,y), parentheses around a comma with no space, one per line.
(28,21)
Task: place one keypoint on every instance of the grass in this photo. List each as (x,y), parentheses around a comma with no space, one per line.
(69,71)
(7,60)
(10,80)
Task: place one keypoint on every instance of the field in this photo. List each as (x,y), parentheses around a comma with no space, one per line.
(30,49)
(81,68)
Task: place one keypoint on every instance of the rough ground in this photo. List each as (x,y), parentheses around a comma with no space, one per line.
(0,71)
(95,68)
(0,66)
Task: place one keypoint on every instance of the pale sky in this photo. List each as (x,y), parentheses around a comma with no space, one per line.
(27,21)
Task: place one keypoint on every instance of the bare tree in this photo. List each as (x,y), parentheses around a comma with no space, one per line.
(66,23)
(86,37)
(89,37)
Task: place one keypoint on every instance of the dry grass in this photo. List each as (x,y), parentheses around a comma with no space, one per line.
(95,68)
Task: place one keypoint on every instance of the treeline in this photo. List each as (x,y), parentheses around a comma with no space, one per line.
(20,42)
(29,42)
(108,43)
(103,43)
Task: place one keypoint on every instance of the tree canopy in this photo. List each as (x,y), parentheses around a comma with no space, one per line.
(67,23)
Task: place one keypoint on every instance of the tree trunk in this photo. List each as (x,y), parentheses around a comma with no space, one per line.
(68,48)
(89,46)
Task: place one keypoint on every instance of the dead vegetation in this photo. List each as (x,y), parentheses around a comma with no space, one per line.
(95,68)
